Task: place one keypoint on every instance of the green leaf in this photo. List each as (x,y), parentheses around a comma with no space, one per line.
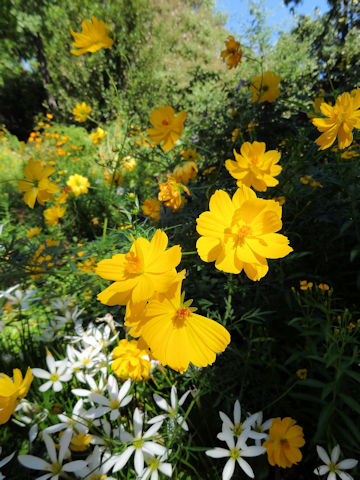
(353,404)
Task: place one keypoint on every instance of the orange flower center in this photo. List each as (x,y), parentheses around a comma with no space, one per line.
(254,160)
(244,231)
(133,263)
(284,443)
(181,315)
(165,122)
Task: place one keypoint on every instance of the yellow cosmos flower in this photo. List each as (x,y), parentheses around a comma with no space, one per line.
(233,52)
(185,172)
(78,184)
(131,361)
(177,336)
(285,440)
(36,184)
(113,178)
(170,193)
(254,167)
(129,163)
(151,207)
(343,117)
(11,390)
(190,155)
(92,38)
(265,88)
(239,233)
(53,214)
(81,112)
(80,442)
(316,104)
(98,136)
(148,267)
(167,127)
(33,232)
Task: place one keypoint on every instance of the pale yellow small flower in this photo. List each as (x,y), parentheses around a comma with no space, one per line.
(98,136)
(129,163)
(78,184)
(81,112)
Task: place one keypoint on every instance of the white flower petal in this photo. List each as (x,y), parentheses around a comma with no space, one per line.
(35,463)
(347,464)
(124,389)
(156,419)
(50,446)
(335,454)
(138,422)
(323,455)
(228,469)
(246,467)
(166,469)
(57,387)
(237,412)
(45,477)
(183,398)
(40,373)
(226,420)
(153,449)
(152,430)
(50,360)
(139,461)
(74,466)
(7,459)
(64,444)
(218,452)
(173,397)
(161,402)
(322,470)
(45,386)
(252,451)
(123,459)
(345,476)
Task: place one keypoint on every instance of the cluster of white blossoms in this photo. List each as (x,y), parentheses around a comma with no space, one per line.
(236,434)
(98,423)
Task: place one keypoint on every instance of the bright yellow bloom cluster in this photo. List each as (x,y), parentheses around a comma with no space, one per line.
(145,279)
(170,193)
(185,172)
(151,207)
(33,232)
(265,88)
(81,112)
(98,136)
(239,233)
(190,155)
(92,38)
(78,184)
(53,214)
(285,440)
(36,184)
(131,361)
(167,127)
(11,390)
(129,163)
(341,119)
(232,53)
(254,167)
